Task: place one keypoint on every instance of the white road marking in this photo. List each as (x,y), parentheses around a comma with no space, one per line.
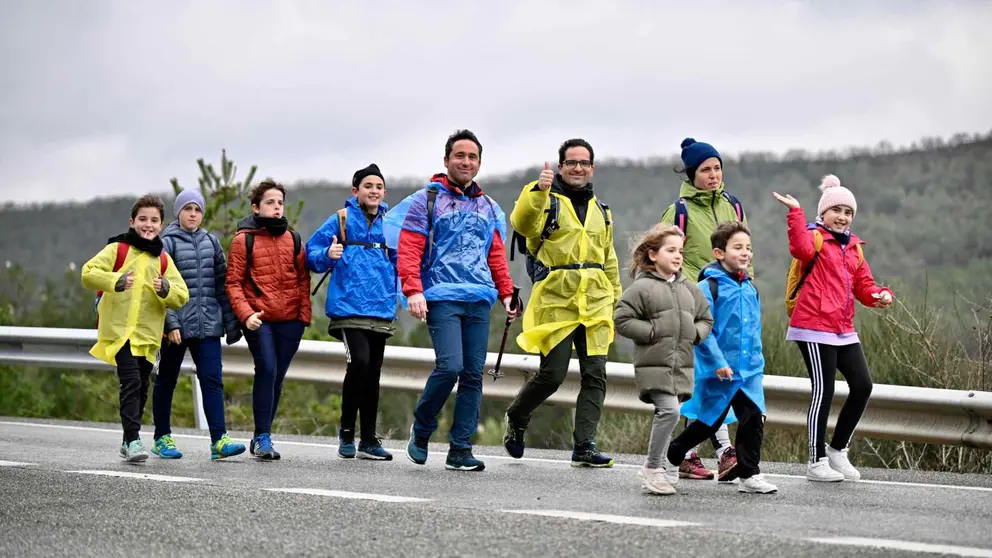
(487,456)
(15,464)
(622,519)
(907,546)
(349,495)
(144,476)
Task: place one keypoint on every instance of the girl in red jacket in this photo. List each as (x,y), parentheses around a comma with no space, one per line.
(269,288)
(822,324)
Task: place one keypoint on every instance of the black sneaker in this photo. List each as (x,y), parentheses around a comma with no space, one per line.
(513,439)
(463,460)
(586,455)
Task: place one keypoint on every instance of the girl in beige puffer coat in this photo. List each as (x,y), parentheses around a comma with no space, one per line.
(664,315)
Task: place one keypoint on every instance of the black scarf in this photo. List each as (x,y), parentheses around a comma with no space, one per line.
(275,226)
(136,241)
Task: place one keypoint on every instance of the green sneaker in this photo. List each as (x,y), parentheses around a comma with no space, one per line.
(165,447)
(134,452)
(225,447)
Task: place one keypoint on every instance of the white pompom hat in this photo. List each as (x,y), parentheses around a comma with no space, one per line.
(834,194)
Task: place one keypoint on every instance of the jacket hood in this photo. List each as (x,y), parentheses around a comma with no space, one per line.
(689,191)
(717,271)
(248,223)
(353,202)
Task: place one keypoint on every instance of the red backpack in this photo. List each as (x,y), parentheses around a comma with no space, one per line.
(122,249)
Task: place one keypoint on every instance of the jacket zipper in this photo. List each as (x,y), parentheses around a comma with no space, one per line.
(847,281)
(678,328)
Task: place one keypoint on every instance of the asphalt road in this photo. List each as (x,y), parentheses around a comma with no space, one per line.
(61,494)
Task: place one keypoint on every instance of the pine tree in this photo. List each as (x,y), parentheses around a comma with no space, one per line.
(227,198)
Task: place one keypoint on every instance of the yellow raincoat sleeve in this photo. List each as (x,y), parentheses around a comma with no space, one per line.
(97,273)
(527,217)
(178,291)
(612,266)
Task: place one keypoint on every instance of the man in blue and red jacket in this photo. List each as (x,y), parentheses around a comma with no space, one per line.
(452,266)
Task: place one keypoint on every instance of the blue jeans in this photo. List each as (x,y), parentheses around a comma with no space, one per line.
(460,335)
(207,358)
(273,346)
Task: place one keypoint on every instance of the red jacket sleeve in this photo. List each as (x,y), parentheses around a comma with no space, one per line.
(499,268)
(800,240)
(303,275)
(410,253)
(865,287)
(235,276)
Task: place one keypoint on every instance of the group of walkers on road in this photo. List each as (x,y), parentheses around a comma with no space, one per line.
(692,311)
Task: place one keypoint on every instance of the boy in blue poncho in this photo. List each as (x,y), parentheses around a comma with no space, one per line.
(361,303)
(729,364)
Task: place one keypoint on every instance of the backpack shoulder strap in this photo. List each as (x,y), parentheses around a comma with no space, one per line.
(681,215)
(122,249)
(714,287)
(817,240)
(249,246)
(861,254)
(163,262)
(431,202)
(738,207)
(297,242)
(605,208)
(342,222)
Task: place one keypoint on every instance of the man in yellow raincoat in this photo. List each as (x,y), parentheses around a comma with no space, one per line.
(576,285)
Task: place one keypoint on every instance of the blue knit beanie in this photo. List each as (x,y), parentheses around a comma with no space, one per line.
(695,152)
(187,197)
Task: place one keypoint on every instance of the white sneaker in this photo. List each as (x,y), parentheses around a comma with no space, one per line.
(839,462)
(757,485)
(656,481)
(821,472)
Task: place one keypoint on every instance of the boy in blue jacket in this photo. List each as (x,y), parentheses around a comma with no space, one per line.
(361,303)
(197,327)
(729,365)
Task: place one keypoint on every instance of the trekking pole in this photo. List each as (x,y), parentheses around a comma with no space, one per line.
(515,303)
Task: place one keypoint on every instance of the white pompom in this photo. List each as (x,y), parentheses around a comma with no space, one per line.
(829,181)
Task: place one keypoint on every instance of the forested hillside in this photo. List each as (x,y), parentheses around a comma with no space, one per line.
(923,210)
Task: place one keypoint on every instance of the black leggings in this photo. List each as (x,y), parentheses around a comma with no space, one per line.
(361,380)
(822,363)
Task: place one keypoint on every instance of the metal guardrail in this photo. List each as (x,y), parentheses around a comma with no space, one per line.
(912,414)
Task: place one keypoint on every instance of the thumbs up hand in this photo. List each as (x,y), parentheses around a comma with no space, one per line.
(335,250)
(254,321)
(546,178)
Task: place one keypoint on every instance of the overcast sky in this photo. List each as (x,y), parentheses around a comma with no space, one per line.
(115,97)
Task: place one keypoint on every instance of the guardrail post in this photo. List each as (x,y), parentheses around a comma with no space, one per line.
(201,416)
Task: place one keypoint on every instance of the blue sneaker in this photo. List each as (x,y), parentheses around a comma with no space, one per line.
(463,460)
(263,447)
(586,455)
(165,447)
(416,449)
(225,447)
(373,450)
(346,443)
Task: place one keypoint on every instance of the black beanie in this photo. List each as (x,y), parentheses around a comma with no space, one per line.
(371,170)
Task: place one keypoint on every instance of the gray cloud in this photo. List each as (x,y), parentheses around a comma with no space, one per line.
(116,97)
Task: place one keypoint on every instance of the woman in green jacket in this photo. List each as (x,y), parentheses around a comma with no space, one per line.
(702,204)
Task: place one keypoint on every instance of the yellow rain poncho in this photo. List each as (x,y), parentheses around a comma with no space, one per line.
(567,298)
(137,314)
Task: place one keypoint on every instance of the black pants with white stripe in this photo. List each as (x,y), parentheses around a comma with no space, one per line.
(822,363)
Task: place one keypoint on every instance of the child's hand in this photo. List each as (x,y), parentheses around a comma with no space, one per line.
(158,284)
(725,373)
(254,321)
(335,250)
(884,299)
(786,200)
(129,280)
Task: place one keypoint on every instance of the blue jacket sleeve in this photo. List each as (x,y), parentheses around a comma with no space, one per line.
(230,320)
(709,357)
(317,259)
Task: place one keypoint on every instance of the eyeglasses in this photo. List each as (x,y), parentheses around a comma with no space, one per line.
(571,164)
